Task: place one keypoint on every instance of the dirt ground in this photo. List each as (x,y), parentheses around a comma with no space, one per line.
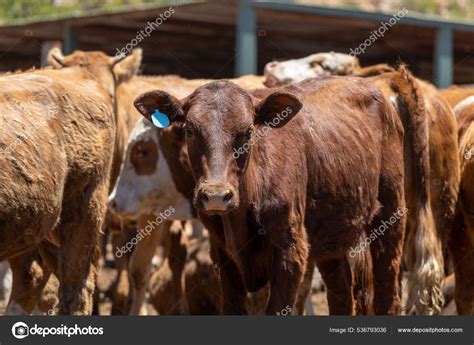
(107,277)
(318,296)
(108,274)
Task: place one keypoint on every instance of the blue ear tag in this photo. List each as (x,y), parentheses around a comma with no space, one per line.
(159,119)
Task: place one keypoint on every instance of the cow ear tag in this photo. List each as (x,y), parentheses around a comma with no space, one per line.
(159,119)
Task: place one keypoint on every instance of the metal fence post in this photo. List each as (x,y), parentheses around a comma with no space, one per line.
(246,39)
(69,39)
(443,57)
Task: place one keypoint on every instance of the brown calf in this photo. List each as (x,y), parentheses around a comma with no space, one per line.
(149,180)
(317,178)
(430,129)
(431,181)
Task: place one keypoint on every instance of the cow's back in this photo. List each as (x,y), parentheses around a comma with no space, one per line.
(57,130)
(455,94)
(33,171)
(466,149)
(341,131)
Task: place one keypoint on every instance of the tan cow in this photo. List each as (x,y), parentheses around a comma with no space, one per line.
(462,237)
(59,127)
(30,272)
(455,94)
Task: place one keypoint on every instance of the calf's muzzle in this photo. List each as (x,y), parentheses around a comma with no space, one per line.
(215,199)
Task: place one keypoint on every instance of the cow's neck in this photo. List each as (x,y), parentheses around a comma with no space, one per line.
(253,184)
(236,236)
(230,240)
(234,224)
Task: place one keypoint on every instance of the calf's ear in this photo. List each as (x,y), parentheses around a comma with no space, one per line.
(161,102)
(277,109)
(129,66)
(56,58)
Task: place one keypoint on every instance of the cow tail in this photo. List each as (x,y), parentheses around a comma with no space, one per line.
(424,255)
(363,287)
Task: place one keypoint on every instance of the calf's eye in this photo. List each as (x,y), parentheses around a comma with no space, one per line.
(142,153)
(188,131)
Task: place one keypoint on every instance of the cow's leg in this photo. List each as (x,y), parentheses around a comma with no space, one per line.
(82,220)
(337,277)
(304,288)
(29,280)
(386,249)
(140,262)
(233,292)
(120,290)
(177,259)
(461,245)
(167,283)
(287,270)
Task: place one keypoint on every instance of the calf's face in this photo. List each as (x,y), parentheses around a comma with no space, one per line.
(145,184)
(219,121)
(99,65)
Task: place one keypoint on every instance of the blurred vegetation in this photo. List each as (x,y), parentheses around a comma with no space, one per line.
(452,9)
(445,8)
(15,9)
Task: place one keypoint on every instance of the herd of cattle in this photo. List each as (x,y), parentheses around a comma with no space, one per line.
(249,185)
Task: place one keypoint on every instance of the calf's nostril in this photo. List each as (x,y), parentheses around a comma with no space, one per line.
(204,197)
(228,195)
